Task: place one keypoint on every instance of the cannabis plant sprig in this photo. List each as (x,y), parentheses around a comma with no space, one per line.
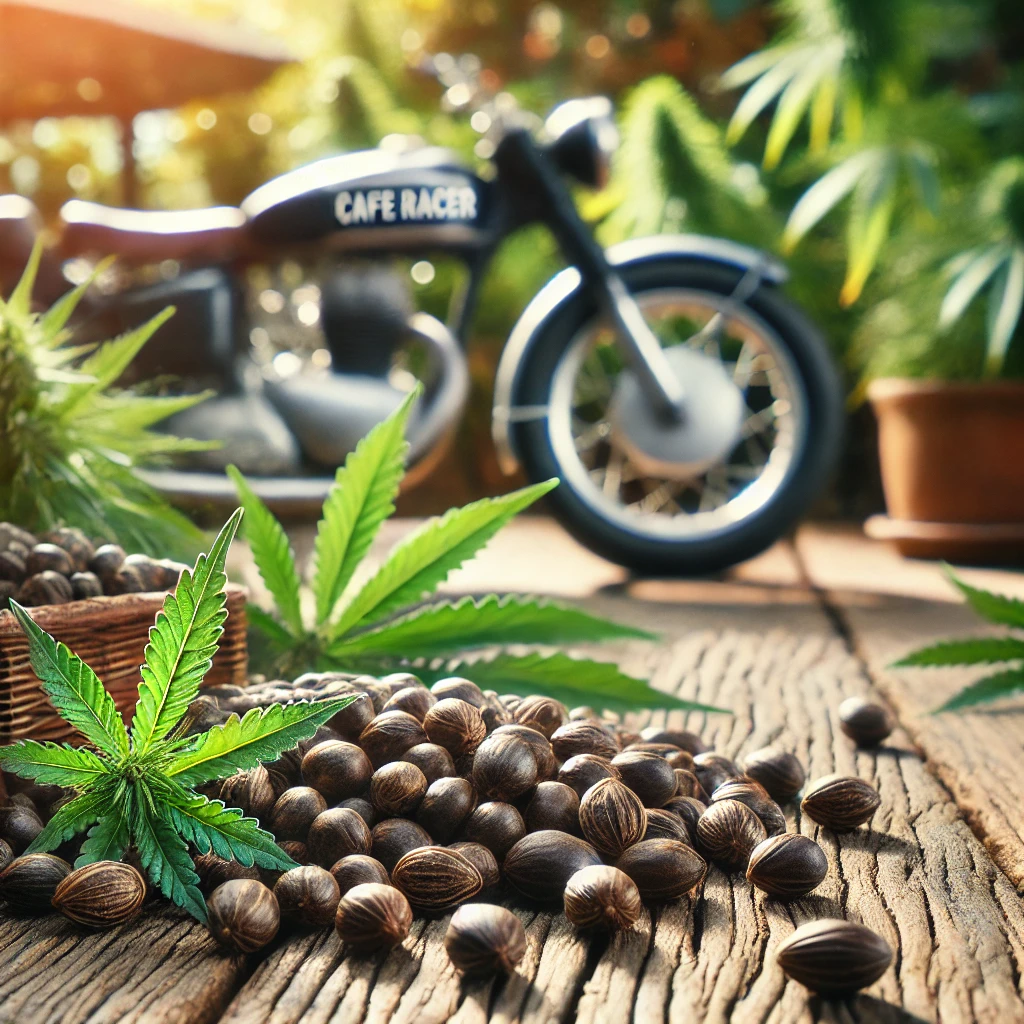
(369,626)
(136,787)
(70,443)
(985,650)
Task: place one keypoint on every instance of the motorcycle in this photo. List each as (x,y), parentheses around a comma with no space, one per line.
(690,410)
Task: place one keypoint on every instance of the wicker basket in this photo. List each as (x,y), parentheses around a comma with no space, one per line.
(110,635)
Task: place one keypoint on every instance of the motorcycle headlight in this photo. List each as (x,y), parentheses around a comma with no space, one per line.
(581,138)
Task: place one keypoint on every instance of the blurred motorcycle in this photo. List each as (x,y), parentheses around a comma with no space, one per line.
(690,410)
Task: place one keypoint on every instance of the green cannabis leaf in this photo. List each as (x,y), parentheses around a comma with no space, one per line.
(986,650)
(376,623)
(136,788)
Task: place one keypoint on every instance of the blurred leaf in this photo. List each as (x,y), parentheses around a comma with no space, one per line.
(1006,611)
(984,691)
(976,651)
(1004,309)
(870,217)
(971,280)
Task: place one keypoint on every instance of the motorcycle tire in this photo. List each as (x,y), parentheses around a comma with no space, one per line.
(813,458)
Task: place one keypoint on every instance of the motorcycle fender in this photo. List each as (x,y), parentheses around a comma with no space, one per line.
(564,286)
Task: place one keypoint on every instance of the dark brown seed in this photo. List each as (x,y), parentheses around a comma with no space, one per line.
(397,681)
(865,722)
(373,917)
(307,896)
(540,864)
(665,750)
(7,591)
(150,571)
(713,769)
(496,825)
(394,838)
(243,915)
(547,765)
(12,568)
(294,811)
(504,768)
(541,713)
(482,859)
(85,585)
(357,869)
(45,588)
(586,770)
(445,807)
(455,725)
(389,736)
(840,802)
(583,713)
(494,713)
(663,869)
(433,760)
(363,808)
(107,560)
(777,770)
(74,542)
(681,738)
(11,534)
(688,809)
(662,824)
(483,939)
(612,817)
(352,719)
(296,850)
(651,777)
(19,826)
(787,866)
(101,895)
(214,871)
(29,882)
(436,878)
(415,700)
(6,854)
(834,958)
(554,805)
(396,789)
(602,897)
(460,689)
(252,791)
(127,580)
(756,797)
(323,734)
(687,784)
(336,769)
(727,832)
(336,833)
(48,556)
(583,738)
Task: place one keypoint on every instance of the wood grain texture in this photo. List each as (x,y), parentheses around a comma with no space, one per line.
(919,877)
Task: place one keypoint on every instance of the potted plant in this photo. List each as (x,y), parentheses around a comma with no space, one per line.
(934,239)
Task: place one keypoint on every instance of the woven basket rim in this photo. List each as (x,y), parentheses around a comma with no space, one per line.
(98,609)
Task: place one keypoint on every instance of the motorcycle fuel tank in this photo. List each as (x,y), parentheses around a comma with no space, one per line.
(374,200)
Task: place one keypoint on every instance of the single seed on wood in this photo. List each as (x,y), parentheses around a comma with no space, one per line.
(483,939)
(553,805)
(357,869)
(777,770)
(583,737)
(834,958)
(541,863)
(583,771)
(727,832)
(335,833)
(541,713)
(787,866)
(336,769)
(482,859)
(612,817)
(435,878)
(372,916)
(455,725)
(445,807)
(243,915)
(394,838)
(865,722)
(651,777)
(504,768)
(602,897)
(101,895)
(29,882)
(307,896)
(840,802)
(396,789)
(496,825)
(663,869)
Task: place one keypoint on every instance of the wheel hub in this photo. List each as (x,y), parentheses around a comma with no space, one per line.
(713,413)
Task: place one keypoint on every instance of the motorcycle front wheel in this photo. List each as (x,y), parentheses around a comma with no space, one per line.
(650,519)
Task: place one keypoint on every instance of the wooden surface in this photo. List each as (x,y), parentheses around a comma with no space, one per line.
(937,874)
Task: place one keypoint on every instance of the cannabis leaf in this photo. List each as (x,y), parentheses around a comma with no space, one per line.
(998,609)
(138,791)
(379,626)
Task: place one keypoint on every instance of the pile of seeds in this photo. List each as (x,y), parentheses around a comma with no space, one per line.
(64,565)
(419,801)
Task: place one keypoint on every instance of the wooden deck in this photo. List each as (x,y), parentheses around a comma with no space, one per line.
(781,642)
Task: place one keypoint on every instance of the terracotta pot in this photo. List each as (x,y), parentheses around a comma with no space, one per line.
(951,452)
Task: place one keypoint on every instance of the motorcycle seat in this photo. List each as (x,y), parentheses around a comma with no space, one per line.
(150,236)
